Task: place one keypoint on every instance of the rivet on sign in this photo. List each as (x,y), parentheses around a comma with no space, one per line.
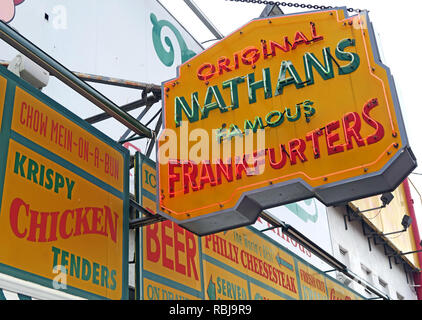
(206,82)
(188,65)
(350,22)
(365,169)
(241,32)
(396,145)
(388,153)
(270,182)
(394,134)
(253,66)
(269,21)
(372,68)
(331,13)
(325,179)
(221,205)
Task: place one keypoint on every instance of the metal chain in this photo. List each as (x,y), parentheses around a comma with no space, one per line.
(294,5)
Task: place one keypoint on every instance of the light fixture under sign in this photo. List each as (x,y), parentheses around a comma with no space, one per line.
(29,71)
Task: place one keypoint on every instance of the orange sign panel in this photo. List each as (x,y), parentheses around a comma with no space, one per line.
(283,109)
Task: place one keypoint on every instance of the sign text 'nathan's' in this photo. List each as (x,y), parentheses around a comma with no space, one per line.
(283,109)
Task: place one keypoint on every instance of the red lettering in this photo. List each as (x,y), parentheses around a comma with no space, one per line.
(166,242)
(207,241)
(189,176)
(224,168)
(110,223)
(331,137)
(206,75)
(250,55)
(300,38)
(274,45)
(241,166)
(313,136)
(97,214)
(178,247)
(236,60)
(223,65)
(264,49)
(315,37)
(152,242)
(29,115)
(173,177)
(81,222)
(53,226)
(35,225)
(17,203)
(296,149)
(22,119)
(207,175)
(191,253)
(41,224)
(63,224)
(283,158)
(352,131)
(379,129)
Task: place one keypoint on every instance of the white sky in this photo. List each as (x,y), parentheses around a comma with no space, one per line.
(396,23)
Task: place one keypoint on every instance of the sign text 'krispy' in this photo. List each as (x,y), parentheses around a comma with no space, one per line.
(283,109)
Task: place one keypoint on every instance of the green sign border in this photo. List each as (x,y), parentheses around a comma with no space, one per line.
(6,134)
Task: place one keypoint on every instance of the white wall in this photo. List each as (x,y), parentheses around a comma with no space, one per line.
(358,254)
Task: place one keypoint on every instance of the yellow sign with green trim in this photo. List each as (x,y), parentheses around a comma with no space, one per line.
(240,264)
(64,198)
(283,109)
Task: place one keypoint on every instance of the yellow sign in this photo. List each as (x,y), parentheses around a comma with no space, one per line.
(312,87)
(246,254)
(388,219)
(240,264)
(171,252)
(313,283)
(64,199)
(223,285)
(46,127)
(157,291)
(337,292)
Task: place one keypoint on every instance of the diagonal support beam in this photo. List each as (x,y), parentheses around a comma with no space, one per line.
(27,48)
(127,107)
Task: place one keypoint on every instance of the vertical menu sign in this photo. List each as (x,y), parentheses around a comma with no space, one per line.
(171,256)
(64,199)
